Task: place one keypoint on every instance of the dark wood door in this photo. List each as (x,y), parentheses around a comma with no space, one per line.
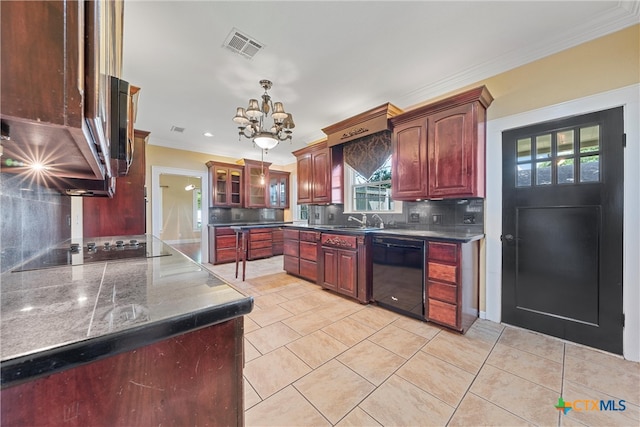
(321,172)
(409,161)
(304,178)
(562,228)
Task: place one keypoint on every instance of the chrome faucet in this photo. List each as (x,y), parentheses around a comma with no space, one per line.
(362,222)
(381,221)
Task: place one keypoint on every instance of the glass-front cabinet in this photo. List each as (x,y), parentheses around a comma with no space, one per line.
(226,184)
(279,189)
(255,184)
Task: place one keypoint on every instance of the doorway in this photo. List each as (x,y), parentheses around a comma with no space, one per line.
(179,210)
(562,221)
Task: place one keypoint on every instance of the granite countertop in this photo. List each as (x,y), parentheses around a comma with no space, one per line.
(248,224)
(60,317)
(457,235)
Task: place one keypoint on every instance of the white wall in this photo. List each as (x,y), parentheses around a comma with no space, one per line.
(627,97)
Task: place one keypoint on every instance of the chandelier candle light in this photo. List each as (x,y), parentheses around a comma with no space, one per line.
(251,121)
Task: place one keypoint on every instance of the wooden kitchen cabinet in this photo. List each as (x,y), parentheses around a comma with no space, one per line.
(291,251)
(301,253)
(277,237)
(339,264)
(278,189)
(222,245)
(452,283)
(125,213)
(226,184)
(255,184)
(319,174)
(56,83)
(439,149)
(260,243)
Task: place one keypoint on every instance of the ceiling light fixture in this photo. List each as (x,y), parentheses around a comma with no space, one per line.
(251,121)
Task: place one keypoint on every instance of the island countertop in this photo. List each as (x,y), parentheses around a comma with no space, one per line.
(61,317)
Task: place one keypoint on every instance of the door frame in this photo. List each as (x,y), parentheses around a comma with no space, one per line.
(156,203)
(629,97)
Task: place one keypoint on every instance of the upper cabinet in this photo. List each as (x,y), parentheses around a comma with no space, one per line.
(57,58)
(439,149)
(316,175)
(226,184)
(278,189)
(255,184)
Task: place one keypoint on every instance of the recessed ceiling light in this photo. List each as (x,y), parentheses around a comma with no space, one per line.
(208,134)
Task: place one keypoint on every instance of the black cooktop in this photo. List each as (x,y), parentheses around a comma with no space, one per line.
(92,252)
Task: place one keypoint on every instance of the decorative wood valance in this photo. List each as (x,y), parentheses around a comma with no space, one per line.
(367,123)
(368,153)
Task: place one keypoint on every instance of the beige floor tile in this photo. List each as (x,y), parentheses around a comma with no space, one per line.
(398,340)
(250,352)
(475,411)
(584,413)
(485,331)
(317,348)
(371,361)
(441,379)
(532,342)
(307,302)
(454,348)
(268,315)
(349,331)
(375,317)
(608,360)
(338,309)
(286,408)
(250,325)
(358,418)
(418,327)
(297,289)
(334,389)
(522,398)
(307,323)
(251,398)
(272,372)
(529,366)
(620,383)
(268,300)
(271,337)
(397,402)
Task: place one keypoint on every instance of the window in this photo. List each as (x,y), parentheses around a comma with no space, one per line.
(372,195)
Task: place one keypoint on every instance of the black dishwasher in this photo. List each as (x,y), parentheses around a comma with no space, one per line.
(398,275)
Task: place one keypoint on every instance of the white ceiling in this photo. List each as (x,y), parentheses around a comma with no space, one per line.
(330,60)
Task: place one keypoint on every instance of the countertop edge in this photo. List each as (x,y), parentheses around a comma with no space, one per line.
(57,359)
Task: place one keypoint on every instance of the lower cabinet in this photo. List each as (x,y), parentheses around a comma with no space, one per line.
(277,237)
(452,284)
(300,248)
(222,245)
(339,264)
(260,243)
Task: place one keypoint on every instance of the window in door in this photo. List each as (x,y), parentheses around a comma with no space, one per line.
(565,156)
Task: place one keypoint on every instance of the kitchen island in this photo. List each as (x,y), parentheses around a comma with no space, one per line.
(143,341)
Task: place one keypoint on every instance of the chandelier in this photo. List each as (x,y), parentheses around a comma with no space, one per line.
(251,121)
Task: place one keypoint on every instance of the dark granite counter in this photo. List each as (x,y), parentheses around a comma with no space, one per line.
(247,224)
(61,317)
(453,235)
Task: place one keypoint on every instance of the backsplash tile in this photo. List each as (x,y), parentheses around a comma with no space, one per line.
(33,218)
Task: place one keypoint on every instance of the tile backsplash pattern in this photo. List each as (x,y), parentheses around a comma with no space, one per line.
(241,215)
(33,218)
(434,215)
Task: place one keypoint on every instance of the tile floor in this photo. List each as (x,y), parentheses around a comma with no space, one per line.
(314,358)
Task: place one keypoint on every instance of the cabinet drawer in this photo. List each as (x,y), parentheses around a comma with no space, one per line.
(292,248)
(443,292)
(278,248)
(224,231)
(260,244)
(225,242)
(225,255)
(260,253)
(277,235)
(448,273)
(309,236)
(447,252)
(259,235)
(309,269)
(443,312)
(309,251)
(291,264)
(291,234)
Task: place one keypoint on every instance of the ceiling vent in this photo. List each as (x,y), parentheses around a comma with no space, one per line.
(177,129)
(242,44)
